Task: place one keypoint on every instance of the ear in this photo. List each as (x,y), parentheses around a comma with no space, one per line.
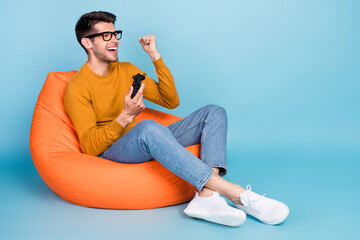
(86,43)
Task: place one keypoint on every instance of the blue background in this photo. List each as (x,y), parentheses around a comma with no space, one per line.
(287,72)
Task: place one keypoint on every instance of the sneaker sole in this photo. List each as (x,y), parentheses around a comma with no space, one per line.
(224,219)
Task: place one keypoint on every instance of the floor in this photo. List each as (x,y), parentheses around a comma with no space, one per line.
(320,186)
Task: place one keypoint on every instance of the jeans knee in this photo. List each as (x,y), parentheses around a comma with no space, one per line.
(150,127)
(218,112)
(148,124)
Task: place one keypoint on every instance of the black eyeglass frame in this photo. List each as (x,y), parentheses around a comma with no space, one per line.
(118,32)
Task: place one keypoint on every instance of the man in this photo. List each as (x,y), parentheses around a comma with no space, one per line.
(98,102)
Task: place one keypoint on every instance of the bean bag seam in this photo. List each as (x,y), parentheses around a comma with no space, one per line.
(50,146)
(47,110)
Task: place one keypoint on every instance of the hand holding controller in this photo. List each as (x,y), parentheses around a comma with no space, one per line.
(137,83)
(133,102)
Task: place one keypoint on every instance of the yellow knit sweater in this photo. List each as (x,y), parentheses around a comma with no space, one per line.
(92,102)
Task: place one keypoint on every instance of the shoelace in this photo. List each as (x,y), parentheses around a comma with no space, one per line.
(252,201)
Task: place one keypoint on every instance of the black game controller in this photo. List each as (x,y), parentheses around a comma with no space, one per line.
(137,83)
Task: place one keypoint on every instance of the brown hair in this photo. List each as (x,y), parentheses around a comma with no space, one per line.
(84,25)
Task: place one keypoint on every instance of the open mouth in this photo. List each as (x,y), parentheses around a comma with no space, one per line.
(112,50)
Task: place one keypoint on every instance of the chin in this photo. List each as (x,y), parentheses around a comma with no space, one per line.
(113,59)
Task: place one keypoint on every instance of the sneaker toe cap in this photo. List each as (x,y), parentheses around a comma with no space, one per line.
(279,214)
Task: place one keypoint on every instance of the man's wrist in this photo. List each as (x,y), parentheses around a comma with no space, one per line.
(124,119)
(154,56)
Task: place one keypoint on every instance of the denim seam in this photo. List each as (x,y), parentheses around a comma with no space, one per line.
(140,142)
(206,179)
(202,138)
(175,166)
(189,128)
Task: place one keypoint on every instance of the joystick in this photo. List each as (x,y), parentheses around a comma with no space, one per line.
(137,83)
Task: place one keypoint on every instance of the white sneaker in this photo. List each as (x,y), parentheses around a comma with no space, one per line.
(265,209)
(215,209)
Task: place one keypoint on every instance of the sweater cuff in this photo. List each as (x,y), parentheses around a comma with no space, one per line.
(159,63)
(115,128)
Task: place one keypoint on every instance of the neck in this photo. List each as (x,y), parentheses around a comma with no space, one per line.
(97,66)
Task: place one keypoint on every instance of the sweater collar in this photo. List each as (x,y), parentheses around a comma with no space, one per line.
(111,69)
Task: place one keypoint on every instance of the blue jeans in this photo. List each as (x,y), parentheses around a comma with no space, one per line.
(149,139)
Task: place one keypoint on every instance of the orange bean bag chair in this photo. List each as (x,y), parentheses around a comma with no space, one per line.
(91,181)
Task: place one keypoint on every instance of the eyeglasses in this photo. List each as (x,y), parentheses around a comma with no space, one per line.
(107,35)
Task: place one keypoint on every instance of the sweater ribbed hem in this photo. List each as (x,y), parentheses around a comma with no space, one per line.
(115,128)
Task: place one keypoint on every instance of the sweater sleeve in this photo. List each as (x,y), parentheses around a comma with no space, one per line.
(94,139)
(163,93)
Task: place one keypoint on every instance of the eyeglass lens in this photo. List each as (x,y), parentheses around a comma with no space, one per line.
(107,36)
